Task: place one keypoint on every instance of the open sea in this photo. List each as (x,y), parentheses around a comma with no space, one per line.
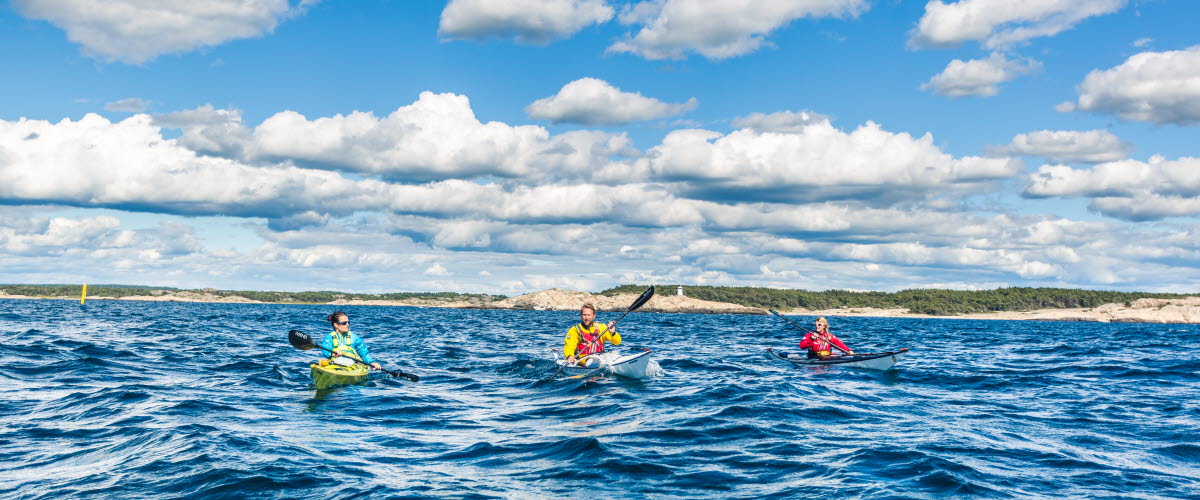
(121,399)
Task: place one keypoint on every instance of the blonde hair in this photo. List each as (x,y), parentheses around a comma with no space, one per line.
(821,321)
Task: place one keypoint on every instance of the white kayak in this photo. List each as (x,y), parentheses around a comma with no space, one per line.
(870,361)
(634,365)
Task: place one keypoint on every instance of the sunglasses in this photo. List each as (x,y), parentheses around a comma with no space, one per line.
(342,323)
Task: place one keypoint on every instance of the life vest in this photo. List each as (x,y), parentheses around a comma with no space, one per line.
(589,341)
(820,347)
(342,345)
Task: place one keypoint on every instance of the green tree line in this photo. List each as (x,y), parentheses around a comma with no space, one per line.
(923,301)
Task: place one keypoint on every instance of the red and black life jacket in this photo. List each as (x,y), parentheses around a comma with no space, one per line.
(589,341)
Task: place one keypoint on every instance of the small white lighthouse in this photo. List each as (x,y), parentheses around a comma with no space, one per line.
(679,291)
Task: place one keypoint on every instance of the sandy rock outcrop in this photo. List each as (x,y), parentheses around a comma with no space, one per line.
(556,299)
(188,296)
(684,304)
(415,302)
(1185,310)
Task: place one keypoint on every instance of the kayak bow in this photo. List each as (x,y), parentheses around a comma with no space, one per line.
(325,376)
(633,366)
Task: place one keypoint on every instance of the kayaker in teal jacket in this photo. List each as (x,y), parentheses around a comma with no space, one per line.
(344,342)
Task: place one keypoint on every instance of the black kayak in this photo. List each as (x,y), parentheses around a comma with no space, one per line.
(870,361)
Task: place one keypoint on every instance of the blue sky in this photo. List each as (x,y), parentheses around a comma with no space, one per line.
(507,147)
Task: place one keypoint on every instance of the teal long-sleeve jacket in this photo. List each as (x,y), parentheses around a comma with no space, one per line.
(356,343)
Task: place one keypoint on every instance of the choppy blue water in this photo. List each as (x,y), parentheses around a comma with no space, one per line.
(175,400)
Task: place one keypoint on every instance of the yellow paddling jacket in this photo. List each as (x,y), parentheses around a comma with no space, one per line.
(582,341)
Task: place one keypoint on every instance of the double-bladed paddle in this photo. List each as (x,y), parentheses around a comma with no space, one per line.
(826,339)
(641,301)
(302,341)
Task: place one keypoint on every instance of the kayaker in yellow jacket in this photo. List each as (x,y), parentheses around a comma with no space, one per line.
(342,341)
(587,337)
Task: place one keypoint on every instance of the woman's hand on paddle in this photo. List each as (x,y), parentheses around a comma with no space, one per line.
(376,366)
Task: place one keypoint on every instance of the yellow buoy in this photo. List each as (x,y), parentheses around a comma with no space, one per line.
(83,295)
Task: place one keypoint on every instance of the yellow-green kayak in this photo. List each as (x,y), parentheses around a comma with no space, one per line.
(331,374)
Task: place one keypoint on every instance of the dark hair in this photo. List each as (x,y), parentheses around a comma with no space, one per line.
(588,306)
(334,317)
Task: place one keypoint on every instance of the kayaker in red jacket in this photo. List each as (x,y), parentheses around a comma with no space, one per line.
(818,342)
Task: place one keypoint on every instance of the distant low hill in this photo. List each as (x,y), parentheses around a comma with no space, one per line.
(920,301)
(308,297)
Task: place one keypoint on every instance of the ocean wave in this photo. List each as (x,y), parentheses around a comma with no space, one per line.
(175,400)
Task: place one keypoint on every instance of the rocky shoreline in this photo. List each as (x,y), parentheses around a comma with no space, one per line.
(1183,310)
(1178,311)
(556,299)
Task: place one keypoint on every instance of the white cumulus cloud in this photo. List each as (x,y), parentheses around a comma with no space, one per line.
(819,163)
(780,121)
(93,236)
(978,76)
(534,22)
(1091,146)
(217,132)
(720,29)
(1156,87)
(128,165)
(436,137)
(436,270)
(1127,189)
(53,234)
(590,101)
(136,31)
(1000,24)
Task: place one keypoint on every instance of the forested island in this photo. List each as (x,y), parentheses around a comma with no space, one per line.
(921,301)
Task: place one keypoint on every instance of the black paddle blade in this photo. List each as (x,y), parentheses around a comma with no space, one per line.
(643,299)
(401,374)
(636,304)
(300,340)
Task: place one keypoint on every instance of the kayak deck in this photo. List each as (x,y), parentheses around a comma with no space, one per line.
(634,365)
(331,375)
(870,361)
